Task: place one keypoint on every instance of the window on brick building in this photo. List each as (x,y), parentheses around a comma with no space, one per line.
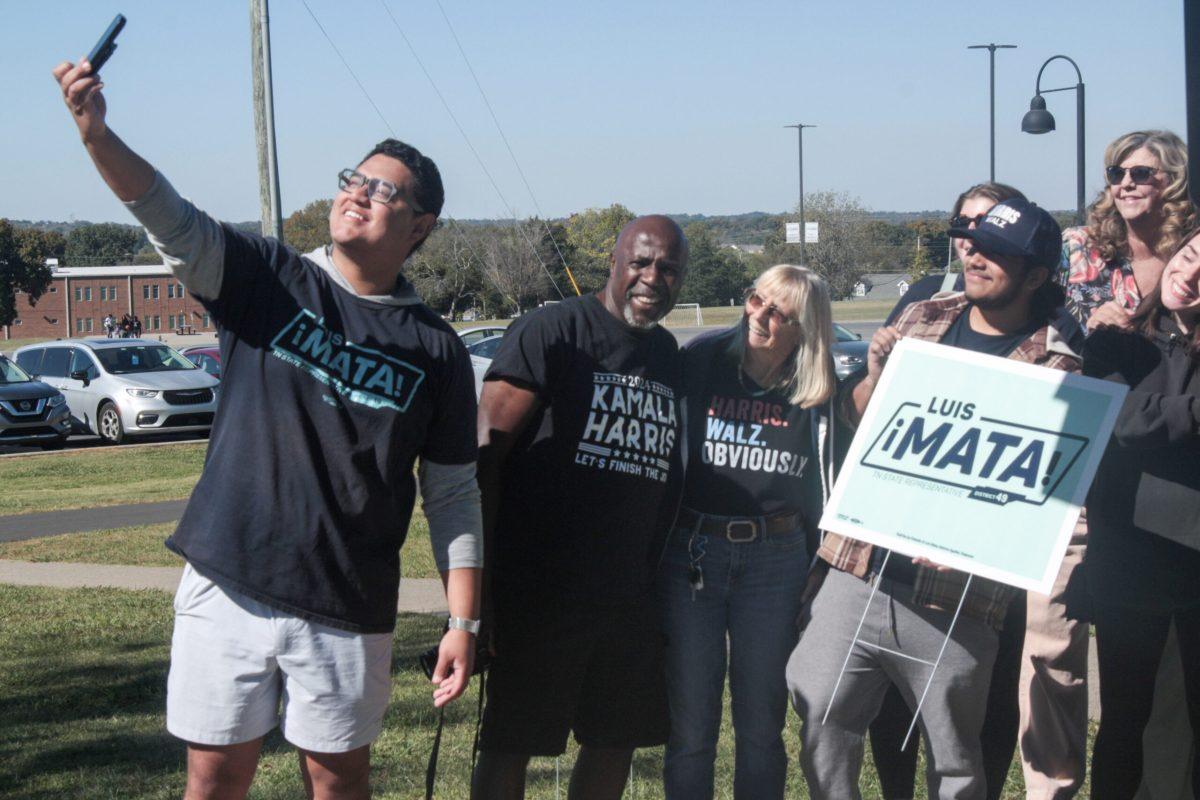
(170,291)
(87,293)
(207,321)
(145,291)
(154,291)
(179,290)
(157,322)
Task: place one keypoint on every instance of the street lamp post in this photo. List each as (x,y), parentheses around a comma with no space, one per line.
(800,136)
(1038,120)
(992,48)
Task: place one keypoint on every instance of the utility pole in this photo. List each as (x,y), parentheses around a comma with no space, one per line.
(800,136)
(992,48)
(264,120)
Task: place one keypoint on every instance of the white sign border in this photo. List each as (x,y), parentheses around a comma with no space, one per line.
(829,521)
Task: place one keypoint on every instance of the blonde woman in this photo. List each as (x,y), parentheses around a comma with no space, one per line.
(758,431)
(1140,218)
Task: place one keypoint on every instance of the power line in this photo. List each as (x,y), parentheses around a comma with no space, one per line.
(362,88)
(470,145)
(507,146)
(452,224)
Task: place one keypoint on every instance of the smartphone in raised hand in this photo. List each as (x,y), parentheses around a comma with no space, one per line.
(107,44)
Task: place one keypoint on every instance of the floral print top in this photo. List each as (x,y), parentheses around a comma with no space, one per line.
(1091,281)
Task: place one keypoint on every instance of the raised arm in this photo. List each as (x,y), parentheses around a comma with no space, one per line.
(126,173)
(191,243)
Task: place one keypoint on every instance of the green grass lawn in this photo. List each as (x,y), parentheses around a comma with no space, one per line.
(82,686)
(142,546)
(104,477)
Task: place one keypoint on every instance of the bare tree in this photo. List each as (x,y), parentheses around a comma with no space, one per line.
(446,270)
(842,253)
(511,265)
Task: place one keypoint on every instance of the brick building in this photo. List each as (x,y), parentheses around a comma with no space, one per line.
(78,298)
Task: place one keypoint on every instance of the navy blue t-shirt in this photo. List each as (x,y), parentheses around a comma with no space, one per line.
(590,488)
(960,334)
(326,401)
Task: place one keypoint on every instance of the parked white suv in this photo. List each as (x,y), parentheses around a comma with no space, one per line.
(124,387)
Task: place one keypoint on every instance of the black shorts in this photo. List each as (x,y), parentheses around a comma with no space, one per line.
(596,672)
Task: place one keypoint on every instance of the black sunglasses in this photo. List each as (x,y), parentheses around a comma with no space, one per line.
(963,221)
(1139,175)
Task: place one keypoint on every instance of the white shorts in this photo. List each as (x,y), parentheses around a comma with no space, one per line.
(239,667)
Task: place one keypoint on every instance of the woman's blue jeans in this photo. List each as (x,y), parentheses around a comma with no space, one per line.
(744,617)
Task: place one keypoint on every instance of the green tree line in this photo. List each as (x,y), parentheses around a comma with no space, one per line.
(498,268)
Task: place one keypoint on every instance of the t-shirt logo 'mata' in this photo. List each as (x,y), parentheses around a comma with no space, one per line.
(631,426)
(361,374)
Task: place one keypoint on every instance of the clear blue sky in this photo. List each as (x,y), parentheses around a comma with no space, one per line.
(663,106)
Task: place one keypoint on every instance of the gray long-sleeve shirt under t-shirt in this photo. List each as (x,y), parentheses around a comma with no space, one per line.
(377,380)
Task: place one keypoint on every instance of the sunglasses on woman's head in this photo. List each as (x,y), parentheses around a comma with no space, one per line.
(1139,175)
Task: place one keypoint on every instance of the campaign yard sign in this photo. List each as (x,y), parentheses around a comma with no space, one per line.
(976,462)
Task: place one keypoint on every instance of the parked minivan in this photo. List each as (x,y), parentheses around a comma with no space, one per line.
(118,388)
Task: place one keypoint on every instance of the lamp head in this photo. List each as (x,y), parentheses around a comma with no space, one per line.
(1037,119)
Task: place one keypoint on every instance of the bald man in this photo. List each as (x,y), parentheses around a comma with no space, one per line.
(580,472)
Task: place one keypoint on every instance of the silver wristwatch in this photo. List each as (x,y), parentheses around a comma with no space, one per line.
(471,626)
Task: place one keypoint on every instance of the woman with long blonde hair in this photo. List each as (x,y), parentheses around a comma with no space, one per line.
(1138,220)
(757,400)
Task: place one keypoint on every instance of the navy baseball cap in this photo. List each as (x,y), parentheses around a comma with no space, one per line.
(1019,228)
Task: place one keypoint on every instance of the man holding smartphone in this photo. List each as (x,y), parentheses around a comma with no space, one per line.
(288,601)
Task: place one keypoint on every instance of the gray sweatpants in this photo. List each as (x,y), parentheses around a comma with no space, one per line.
(951,718)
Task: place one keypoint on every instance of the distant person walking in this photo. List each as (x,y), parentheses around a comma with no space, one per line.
(109,324)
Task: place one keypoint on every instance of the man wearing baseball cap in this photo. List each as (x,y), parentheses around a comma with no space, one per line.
(1004,311)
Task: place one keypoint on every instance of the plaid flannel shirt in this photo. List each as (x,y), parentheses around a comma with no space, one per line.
(987,600)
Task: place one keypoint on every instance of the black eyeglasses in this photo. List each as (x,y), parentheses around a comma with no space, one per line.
(378,189)
(756,301)
(963,221)
(1139,175)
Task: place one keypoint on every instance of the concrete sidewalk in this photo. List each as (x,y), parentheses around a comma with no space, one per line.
(417,595)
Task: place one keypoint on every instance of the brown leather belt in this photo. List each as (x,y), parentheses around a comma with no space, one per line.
(738,530)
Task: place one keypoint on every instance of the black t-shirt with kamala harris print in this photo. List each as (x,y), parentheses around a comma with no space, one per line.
(591,486)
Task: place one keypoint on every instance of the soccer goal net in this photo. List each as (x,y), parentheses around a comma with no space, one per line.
(684,314)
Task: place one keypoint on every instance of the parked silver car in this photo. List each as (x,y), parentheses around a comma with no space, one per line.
(482,352)
(31,413)
(124,387)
